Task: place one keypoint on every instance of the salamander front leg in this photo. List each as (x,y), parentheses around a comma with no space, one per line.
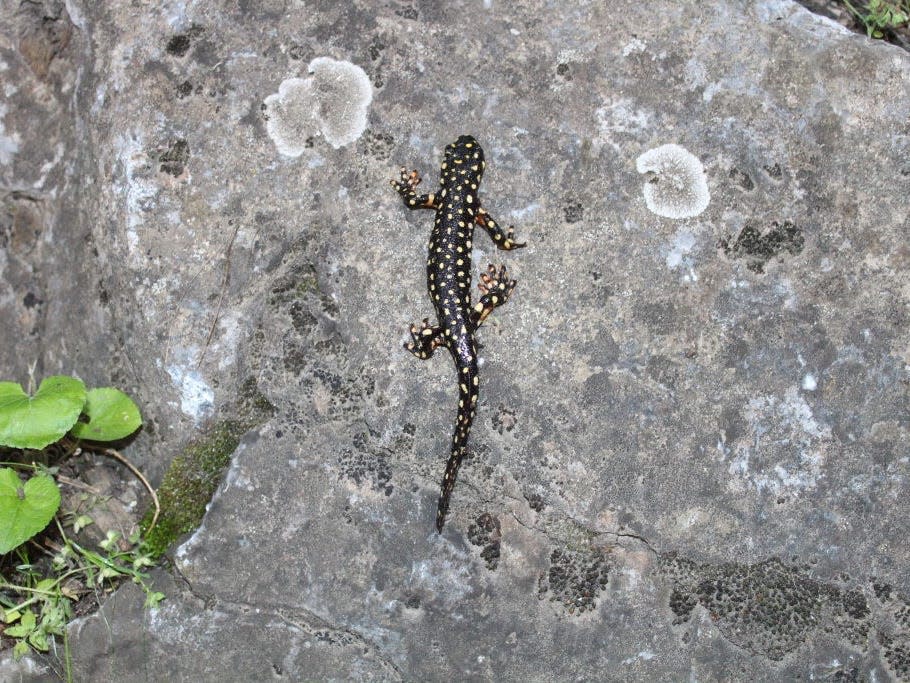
(495,287)
(406,187)
(425,339)
(502,238)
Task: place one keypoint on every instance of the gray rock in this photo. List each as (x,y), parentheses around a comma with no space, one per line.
(690,458)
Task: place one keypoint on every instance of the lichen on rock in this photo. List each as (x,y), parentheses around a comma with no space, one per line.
(677,187)
(332,101)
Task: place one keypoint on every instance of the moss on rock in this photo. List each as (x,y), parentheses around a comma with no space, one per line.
(195,473)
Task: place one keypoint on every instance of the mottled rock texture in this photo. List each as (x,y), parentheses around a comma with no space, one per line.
(691,453)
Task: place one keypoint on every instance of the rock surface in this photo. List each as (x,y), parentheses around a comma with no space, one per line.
(690,459)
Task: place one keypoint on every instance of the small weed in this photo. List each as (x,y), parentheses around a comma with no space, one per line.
(45,574)
(879,16)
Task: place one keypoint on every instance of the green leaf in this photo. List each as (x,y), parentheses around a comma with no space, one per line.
(35,422)
(111,415)
(110,541)
(38,640)
(153,599)
(110,572)
(25,509)
(81,522)
(26,626)
(53,617)
(45,585)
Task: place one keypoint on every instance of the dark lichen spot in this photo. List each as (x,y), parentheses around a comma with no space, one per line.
(893,632)
(376,48)
(757,247)
(535,501)
(185,89)
(564,71)
(768,608)
(774,171)
(174,159)
(367,466)
(377,145)
(178,45)
(486,533)
(742,179)
(574,212)
(850,675)
(682,603)
(407,13)
(296,52)
(30,300)
(504,420)
(575,578)
(303,321)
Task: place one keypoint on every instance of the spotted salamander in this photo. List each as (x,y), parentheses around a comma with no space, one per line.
(458,210)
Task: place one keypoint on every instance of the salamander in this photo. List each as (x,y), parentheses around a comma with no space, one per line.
(458,210)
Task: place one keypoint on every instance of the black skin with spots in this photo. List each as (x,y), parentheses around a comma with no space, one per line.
(458,210)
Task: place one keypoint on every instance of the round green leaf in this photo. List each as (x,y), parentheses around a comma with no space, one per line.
(25,508)
(34,422)
(111,415)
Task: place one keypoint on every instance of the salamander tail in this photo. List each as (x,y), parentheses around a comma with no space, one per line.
(448,483)
(467,405)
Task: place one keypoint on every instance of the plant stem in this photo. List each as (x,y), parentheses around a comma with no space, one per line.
(117,456)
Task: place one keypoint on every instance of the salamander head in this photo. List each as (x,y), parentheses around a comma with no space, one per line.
(465,153)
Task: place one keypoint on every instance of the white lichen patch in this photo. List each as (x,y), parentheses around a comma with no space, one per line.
(678,256)
(197,398)
(447,581)
(676,186)
(332,101)
(784,449)
(134,181)
(9,143)
(809,382)
(291,116)
(618,121)
(633,46)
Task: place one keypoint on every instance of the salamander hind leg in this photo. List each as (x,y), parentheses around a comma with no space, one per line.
(496,288)
(406,187)
(504,239)
(425,339)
